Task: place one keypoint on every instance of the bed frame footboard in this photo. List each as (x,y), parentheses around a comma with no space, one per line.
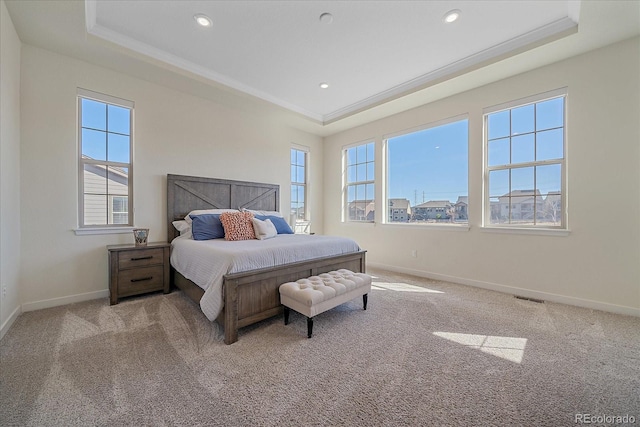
(252,296)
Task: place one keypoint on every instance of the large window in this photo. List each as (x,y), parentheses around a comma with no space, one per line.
(524,170)
(298,184)
(359,175)
(427,174)
(105,165)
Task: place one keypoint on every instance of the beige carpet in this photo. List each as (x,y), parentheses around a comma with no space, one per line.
(424,353)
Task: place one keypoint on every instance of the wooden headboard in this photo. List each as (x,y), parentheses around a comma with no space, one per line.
(188,193)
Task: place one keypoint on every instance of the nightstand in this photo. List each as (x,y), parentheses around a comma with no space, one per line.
(137,270)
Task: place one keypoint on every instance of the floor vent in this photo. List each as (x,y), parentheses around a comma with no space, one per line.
(539,301)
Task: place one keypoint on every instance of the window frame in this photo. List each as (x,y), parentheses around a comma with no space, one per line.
(304,185)
(442,225)
(84,228)
(563,227)
(345,180)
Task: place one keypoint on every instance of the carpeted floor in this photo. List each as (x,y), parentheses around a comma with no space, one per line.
(423,353)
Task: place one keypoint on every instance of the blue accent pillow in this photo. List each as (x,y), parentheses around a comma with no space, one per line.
(206,227)
(281,225)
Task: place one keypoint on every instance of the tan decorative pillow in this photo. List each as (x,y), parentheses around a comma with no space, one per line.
(237,225)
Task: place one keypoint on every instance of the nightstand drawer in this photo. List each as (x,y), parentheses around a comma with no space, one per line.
(140,280)
(140,258)
(135,270)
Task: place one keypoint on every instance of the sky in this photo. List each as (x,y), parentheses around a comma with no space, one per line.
(536,133)
(432,164)
(105,133)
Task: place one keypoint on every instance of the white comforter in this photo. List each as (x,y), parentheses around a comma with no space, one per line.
(205,262)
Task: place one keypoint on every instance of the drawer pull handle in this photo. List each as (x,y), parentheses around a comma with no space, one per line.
(141,258)
(142,279)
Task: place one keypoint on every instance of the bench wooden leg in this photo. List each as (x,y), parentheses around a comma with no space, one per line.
(309,326)
(286,315)
(364,300)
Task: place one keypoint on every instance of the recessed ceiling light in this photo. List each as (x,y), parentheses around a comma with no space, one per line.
(326,18)
(451,16)
(324,85)
(203,20)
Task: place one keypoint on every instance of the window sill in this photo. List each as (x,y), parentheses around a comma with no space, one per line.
(103,230)
(520,230)
(431,226)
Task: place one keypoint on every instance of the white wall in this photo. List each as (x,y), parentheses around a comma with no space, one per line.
(598,264)
(9,170)
(174,133)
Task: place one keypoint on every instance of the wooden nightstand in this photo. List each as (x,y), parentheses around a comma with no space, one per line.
(136,270)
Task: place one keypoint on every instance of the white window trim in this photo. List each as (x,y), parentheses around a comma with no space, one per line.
(345,184)
(445,226)
(385,148)
(88,231)
(563,228)
(106,228)
(541,231)
(307,157)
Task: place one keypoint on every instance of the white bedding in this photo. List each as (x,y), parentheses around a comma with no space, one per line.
(205,262)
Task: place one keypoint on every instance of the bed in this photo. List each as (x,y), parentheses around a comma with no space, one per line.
(247,297)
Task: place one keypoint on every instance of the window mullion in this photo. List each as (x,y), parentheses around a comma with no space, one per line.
(525,165)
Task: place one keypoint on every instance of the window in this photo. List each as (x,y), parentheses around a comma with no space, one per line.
(119,212)
(105,166)
(524,169)
(427,174)
(359,175)
(298,184)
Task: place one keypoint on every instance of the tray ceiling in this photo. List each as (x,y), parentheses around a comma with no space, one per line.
(368,52)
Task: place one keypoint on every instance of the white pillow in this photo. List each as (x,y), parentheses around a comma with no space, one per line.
(264,229)
(206,211)
(184,228)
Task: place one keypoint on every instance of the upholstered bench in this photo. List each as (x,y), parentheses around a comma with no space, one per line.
(317,294)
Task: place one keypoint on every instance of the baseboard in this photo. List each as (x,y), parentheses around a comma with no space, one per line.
(528,293)
(7,323)
(55,302)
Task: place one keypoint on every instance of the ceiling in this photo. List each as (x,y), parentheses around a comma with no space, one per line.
(378,57)
(366,51)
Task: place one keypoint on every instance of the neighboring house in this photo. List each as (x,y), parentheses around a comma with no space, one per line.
(361,210)
(399,210)
(106,199)
(462,208)
(433,209)
(522,203)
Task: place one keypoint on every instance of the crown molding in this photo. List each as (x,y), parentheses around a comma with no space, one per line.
(510,47)
(549,32)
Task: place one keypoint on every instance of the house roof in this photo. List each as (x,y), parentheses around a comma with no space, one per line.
(399,203)
(521,193)
(434,204)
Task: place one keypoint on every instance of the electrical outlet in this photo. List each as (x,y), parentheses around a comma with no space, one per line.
(4,290)
(414,253)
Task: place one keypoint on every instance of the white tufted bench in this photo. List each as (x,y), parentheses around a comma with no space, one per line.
(316,294)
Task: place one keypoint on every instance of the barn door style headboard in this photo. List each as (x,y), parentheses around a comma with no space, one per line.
(188,193)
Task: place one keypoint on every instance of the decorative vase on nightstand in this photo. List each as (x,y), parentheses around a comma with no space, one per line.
(140,235)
